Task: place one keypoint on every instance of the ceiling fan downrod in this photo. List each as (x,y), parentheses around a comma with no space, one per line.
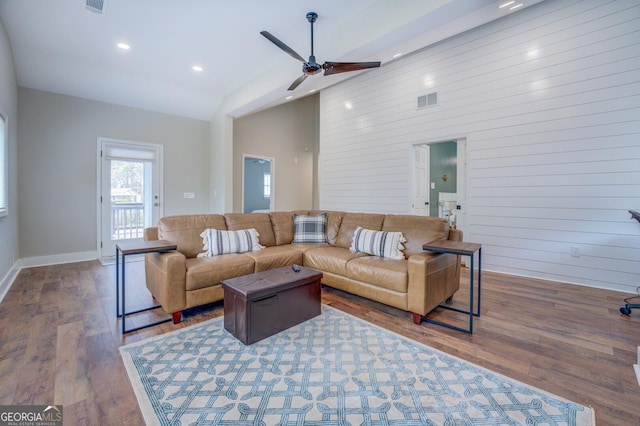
(311,17)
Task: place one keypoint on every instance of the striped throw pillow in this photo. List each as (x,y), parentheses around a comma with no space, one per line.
(217,242)
(310,229)
(378,243)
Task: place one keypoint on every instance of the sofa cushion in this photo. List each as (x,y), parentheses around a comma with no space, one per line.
(306,247)
(350,221)
(217,242)
(282,224)
(378,243)
(330,259)
(185,230)
(417,230)
(260,221)
(388,273)
(209,271)
(310,229)
(276,257)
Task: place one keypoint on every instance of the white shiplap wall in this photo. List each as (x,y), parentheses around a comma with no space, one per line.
(549,101)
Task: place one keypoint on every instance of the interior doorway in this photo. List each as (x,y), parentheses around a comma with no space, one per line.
(257,184)
(130,188)
(439,179)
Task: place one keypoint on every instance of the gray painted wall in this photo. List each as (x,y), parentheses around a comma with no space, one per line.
(58,166)
(289,134)
(9,246)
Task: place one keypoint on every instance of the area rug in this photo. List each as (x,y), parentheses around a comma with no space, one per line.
(334,369)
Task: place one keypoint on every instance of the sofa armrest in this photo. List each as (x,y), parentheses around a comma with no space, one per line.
(166,279)
(433,278)
(151,233)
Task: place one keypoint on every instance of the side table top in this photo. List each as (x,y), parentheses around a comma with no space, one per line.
(455,247)
(133,247)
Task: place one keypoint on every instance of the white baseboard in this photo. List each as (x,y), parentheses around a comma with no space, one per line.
(57,259)
(636,367)
(8,279)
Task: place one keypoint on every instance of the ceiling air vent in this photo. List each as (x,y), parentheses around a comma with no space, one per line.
(96,6)
(428,100)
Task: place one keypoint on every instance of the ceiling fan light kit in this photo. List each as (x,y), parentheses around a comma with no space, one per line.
(311,67)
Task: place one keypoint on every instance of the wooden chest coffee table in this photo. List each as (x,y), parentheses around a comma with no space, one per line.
(260,305)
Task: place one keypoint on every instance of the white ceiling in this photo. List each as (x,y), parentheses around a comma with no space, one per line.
(60,46)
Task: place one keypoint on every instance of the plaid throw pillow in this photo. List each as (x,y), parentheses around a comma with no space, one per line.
(378,243)
(310,229)
(217,242)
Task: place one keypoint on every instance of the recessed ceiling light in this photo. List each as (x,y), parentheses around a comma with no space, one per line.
(312,90)
(397,55)
(288,97)
(196,68)
(123,46)
(516,6)
(506,4)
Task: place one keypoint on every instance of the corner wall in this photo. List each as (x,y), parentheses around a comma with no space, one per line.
(287,133)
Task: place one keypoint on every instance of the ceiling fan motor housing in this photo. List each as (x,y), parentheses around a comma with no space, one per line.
(311,67)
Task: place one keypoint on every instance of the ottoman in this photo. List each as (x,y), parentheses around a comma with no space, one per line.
(260,305)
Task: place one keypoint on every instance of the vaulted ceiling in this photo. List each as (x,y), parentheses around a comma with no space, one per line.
(62,46)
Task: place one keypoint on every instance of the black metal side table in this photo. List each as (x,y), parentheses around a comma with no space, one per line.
(125,248)
(460,248)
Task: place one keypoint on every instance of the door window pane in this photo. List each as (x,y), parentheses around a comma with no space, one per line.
(127,199)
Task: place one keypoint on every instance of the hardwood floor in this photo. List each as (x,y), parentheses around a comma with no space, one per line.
(59,340)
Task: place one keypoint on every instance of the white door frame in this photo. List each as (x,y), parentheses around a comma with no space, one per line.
(159,166)
(272,161)
(462,175)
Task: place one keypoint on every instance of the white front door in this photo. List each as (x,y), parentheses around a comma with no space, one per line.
(130,192)
(420,200)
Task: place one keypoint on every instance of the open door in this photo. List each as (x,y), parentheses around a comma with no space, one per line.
(130,192)
(257,184)
(439,177)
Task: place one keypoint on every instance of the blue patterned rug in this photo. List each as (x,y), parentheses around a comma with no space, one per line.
(334,369)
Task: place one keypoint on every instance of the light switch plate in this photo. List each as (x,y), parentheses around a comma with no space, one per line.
(189,195)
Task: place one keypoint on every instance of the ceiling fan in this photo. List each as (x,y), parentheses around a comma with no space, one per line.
(311,67)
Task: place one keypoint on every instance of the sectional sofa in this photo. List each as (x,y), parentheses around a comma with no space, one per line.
(415,281)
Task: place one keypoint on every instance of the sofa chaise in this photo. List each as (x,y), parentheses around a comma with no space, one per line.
(415,281)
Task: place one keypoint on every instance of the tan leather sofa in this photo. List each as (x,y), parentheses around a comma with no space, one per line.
(417,284)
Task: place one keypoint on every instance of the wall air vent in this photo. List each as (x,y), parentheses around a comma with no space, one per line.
(430,99)
(96,6)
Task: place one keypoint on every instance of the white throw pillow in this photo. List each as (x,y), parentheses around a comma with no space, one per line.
(378,243)
(218,242)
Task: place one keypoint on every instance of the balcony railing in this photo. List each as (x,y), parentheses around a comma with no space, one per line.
(127,220)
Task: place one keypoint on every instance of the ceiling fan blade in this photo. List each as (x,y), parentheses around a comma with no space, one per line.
(281,45)
(297,82)
(336,67)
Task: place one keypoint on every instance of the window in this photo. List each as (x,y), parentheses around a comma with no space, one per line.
(4,166)
(267,184)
